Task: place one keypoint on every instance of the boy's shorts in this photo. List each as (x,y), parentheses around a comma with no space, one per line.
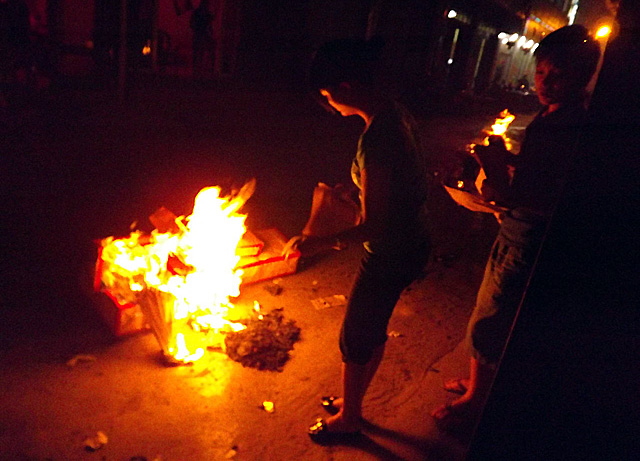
(505,279)
(379,282)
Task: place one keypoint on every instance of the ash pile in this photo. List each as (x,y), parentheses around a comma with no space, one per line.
(265,343)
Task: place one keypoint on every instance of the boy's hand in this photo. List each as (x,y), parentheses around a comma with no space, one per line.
(291,246)
(497,142)
(494,159)
(308,245)
(490,193)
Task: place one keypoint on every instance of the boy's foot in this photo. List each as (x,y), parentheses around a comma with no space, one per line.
(334,430)
(457,386)
(455,416)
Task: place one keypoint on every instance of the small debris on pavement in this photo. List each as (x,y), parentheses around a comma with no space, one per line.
(395,334)
(274,288)
(232,453)
(268,406)
(96,442)
(329,301)
(80,358)
(435,370)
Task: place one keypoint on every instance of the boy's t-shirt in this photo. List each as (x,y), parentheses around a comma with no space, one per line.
(391,141)
(545,158)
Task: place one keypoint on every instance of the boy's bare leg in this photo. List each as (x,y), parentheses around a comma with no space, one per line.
(355,382)
(470,404)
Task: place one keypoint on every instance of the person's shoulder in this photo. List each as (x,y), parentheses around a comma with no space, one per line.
(394,115)
(570,115)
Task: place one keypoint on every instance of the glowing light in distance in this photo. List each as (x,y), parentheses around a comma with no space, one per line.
(603,31)
(452,14)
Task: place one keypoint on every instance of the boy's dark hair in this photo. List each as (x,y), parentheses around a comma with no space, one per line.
(571,47)
(344,60)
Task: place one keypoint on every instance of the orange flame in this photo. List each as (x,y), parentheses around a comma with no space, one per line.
(499,128)
(199,290)
(502,123)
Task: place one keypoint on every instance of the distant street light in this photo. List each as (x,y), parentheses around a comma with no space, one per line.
(452,14)
(603,31)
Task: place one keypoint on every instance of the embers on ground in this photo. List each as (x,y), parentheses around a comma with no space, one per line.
(265,343)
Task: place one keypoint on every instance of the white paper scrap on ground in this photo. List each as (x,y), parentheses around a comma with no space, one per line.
(96,442)
(329,301)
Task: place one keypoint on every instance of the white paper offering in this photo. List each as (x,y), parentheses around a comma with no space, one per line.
(472,201)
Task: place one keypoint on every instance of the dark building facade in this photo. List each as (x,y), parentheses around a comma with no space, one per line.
(458,45)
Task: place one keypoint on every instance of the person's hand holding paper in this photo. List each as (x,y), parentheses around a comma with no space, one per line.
(495,159)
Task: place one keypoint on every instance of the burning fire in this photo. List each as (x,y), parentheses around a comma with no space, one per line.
(183,279)
(502,123)
(500,127)
(146,50)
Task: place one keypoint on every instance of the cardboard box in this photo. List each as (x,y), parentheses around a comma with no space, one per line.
(270,263)
(250,245)
(121,318)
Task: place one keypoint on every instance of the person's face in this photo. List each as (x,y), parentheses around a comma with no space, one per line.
(339,99)
(556,85)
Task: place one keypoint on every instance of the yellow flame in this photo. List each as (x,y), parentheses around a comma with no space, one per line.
(500,127)
(182,352)
(502,123)
(205,249)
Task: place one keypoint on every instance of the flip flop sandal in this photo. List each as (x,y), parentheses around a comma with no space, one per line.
(327,404)
(320,434)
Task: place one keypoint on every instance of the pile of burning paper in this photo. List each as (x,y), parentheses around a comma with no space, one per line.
(180,279)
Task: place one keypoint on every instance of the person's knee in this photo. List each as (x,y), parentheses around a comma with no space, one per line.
(488,337)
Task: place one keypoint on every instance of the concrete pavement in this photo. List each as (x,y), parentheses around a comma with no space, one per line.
(83,167)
